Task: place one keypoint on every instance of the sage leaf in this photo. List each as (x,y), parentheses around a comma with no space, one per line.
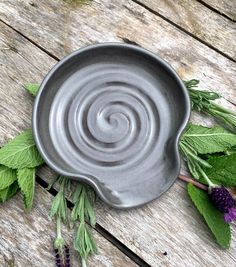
(213,217)
(223,171)
(32,88)
(26,181)
(7,177)
(8,192)
(206,140)
(21,152)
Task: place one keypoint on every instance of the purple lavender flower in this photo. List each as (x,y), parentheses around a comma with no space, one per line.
(67,256)
(57,258)
(224,202)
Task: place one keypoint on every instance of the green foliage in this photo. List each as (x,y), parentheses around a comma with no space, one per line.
(7,177)
(83,198)
(83,208)
(212,216)
(26,181)
(59,205)
(223,171)
(32,88)
(84,242)
(21,152)
(206,140)
(9,192)
(194,162)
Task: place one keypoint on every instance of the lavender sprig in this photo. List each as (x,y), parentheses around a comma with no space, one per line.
(59,210)
(84,244)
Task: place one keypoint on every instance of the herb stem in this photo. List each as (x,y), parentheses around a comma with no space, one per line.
(83,262)
(59,227)
(190,180)
(188,152)
(206,178)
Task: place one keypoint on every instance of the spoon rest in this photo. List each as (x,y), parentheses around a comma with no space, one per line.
(111,115)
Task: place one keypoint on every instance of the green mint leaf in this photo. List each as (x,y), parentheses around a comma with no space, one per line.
(223,171)
(9,192)
(32,88)
(26,181)
(21,152)
(206,140)
(212,216)
(7,177)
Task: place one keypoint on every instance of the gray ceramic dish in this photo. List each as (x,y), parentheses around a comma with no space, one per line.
(111,115)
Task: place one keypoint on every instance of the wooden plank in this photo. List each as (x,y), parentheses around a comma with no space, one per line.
(60,28)
(212,28)
(225,7)
(170,224)
(21,62)
(164,224)
(27,239)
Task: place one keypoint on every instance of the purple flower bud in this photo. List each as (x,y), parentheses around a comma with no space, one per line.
(67,256)
(57,258)
(224,202)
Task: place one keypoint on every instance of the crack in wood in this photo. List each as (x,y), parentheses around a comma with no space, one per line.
(215,10)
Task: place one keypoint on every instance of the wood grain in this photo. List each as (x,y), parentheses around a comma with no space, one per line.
(27,239)
(212,28)
(60,28)
(22,62)
(225,7)
(170,224)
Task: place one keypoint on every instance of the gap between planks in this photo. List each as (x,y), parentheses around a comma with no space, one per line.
(216,10)
(125,40)
(101,230)
(151,11)
(183,30)
(31,41)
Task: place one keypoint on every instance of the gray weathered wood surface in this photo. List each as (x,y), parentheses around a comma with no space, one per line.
(60,28)
(29,238)
(225,7)
(170,223)
(212,28)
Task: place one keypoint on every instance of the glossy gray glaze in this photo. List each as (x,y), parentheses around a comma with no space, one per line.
(111,115)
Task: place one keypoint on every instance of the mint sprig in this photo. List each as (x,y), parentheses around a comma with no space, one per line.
(19,157)
(26,181)
(21,152)
(206,140)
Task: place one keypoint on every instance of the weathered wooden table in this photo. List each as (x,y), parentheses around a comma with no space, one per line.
(198,38)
